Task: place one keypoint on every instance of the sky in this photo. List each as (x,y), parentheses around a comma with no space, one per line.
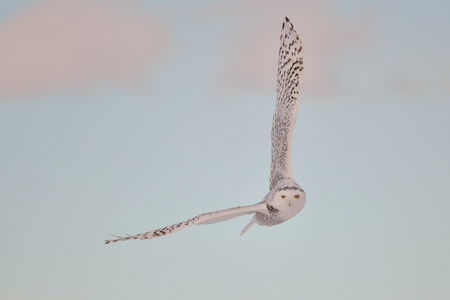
(129,117)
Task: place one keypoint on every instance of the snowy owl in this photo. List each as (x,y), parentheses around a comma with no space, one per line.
(285,198)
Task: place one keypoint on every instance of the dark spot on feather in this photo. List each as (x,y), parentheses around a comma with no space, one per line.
(271,208)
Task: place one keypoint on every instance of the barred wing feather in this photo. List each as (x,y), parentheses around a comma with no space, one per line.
(290,67)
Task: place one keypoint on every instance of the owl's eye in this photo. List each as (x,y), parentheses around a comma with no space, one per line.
(283,196)
(297,196)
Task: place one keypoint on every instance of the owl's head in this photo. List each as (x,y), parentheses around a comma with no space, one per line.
(288,201)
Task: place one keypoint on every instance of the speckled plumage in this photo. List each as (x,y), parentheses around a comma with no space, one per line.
(285,198)
(290,67)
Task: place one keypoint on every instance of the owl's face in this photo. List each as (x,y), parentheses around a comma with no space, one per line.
(290,197)
(288,201)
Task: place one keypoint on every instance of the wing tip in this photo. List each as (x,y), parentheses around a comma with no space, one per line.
(110,241)
(118,238)
(287,22)
(288,33)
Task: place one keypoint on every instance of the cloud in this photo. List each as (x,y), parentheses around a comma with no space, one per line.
(20,294)
(327,35)
(406,85)
(78,44)
(410,84)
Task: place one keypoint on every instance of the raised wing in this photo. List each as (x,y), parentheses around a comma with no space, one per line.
(290,67)
(206,218)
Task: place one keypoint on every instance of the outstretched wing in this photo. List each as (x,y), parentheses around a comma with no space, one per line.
(290,67)
(206,218)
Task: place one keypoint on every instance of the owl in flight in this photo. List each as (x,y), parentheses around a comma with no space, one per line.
(285,198)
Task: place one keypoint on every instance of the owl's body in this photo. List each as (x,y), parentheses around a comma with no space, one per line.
(285,198)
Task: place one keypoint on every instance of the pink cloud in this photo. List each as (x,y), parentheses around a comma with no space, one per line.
(77,44)
(406,85)
(253,41)
(410,83)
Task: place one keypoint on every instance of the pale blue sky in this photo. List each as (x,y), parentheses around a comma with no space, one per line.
(187,130)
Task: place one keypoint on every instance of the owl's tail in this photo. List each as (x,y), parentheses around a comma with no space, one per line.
(252,221)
